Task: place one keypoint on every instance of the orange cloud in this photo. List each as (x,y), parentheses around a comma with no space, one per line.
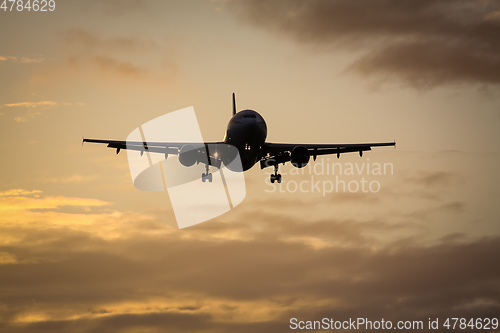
(121,68)
(27,117)
(26,60)
(7,258)
(112,271)
(115,58)
(25,208)
(34,105)
(17,192)
(20,202)
(31,104)
(7,58)
(70,179)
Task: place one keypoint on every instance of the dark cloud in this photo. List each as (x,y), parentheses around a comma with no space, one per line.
(425,214)
(430,63)
(366,198)
(181,281)
(116,272)
(433,179)
(420,43)
(457,207)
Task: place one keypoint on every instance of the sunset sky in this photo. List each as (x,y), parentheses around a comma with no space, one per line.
(82,250)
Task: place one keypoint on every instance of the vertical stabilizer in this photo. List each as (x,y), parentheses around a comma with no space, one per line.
(234,105)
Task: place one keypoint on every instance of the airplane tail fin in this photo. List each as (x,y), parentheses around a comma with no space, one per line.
(234,105)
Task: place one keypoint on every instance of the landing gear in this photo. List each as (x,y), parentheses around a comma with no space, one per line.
(207,175)
(276,176)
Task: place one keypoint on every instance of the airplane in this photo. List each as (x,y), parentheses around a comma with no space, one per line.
(247,131)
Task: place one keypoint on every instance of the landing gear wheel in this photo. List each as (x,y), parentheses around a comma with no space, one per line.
(206,176)
(276,176)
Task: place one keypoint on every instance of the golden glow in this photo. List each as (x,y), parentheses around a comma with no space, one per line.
(82,250)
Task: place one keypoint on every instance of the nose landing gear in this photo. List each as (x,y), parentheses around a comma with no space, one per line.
(276,176)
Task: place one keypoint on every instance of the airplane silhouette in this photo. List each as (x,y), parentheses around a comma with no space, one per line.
(247,131)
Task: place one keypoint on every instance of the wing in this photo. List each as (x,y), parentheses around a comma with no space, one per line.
(281,152)
(167,148)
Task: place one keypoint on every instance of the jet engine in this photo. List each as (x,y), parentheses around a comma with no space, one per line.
(188,155)
(300,156)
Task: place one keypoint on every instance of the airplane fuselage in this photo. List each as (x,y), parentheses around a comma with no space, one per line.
(247,131)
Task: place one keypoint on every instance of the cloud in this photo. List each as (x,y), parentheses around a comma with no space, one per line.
(89,54)
(493,16)
(118,271)
(457,207)
(45,105)
(18,192)
(85,41)
(117,7)
(139,283)
(7,258)
(73,179)
(31,104)
(353,197)
(27,117)
(431,63)
(8,58)
(107,66)
(15,200)
(26,60)
(120,68)
(432,179)
(422,44)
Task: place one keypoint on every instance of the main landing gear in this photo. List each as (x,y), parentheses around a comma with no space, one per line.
(207,175)
(276,176)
